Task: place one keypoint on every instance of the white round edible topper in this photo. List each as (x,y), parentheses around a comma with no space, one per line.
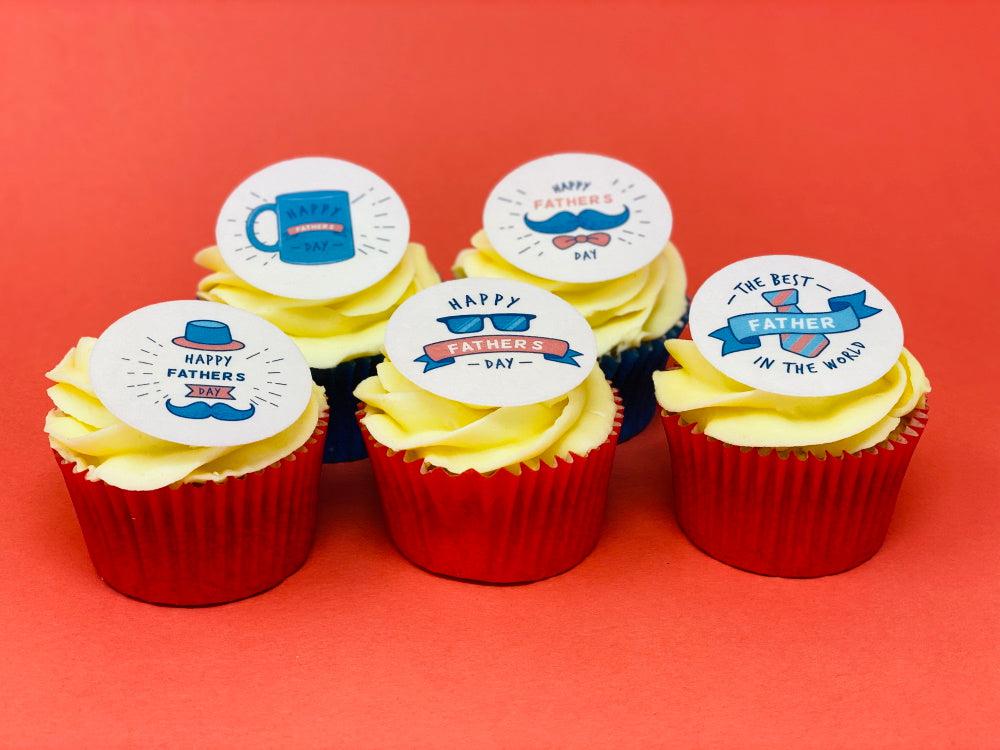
(491,342)
(795,326)
(200,373)
(313,228)
(578,218)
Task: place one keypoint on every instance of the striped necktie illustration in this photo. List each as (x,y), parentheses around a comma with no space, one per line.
(803,344)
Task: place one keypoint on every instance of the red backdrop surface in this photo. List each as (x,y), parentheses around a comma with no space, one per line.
(862,134)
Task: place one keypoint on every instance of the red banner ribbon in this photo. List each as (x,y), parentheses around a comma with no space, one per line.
(318,226)
(199,390)
(486,344)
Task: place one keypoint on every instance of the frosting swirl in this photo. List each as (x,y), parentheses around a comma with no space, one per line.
(84,432)
(623,312)
(734,413)
(328,331)
(458,437)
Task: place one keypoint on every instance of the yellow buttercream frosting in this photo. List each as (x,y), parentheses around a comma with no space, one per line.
(458,437)
(328,331)
(740,415)
(84,432)
(623,312)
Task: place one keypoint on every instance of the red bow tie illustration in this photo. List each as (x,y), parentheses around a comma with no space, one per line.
(564,241)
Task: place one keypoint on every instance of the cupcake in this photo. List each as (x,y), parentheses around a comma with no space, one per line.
(791,416)
(595,232)
(190,439)
(320,248)
(491,432)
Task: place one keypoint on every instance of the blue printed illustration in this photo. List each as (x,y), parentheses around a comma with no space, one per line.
(209,336)
(203,410)
(314,227)
(589,219)
(802,333)
(474,322)
(443,353)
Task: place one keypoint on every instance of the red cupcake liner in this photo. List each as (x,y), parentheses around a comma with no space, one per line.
(204,543)
(789,517)
(496,528)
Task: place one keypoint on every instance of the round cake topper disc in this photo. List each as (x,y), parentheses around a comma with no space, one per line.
(313,228)
(795,326)
(200,373)
(578,218)
(491,342)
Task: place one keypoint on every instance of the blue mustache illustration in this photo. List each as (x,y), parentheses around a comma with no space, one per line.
(203,410)
(567,221)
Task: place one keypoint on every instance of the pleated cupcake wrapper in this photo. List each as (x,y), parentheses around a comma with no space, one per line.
(786,516)
(343,439)
(204,543)
(496,528)
(631,373)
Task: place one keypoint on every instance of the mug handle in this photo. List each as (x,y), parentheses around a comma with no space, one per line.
(250,223)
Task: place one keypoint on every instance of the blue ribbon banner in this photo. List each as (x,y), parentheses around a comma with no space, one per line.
(743,332)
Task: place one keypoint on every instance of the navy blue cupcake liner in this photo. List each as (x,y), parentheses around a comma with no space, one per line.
(343,438)
(631,372)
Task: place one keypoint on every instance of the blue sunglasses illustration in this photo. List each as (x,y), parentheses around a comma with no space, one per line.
(475,323)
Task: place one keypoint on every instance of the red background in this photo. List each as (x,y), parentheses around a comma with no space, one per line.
(863,134)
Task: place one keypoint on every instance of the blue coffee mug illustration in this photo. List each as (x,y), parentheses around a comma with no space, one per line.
(314,227)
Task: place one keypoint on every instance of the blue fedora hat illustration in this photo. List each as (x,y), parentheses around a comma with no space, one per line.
(208,335)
